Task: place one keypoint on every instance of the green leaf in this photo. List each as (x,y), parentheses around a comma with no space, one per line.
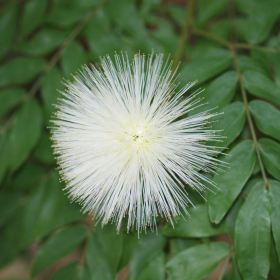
(101,40)
(20,70)
(8,25)
(266,117)
(42,43)
(130,241)
(58,246)
(149,246)
(261,17)
(219,92)
(72,271)
(154,270)
(270,151)
(99,267)
(33,15)
(230,183)
(231,123)
(28,177)
(25,133)
(275,213)
(9,99)
(259,85)
(246,63)
(43,151)
(179,244)
(198,225)
(205,68)
(4,152)
(9,203)
(252,234)
(72,59)
(54,201)
(210,9)
(12,239)
(112,244)
(197,262)
(274,262)
(127,16)
(41,218)
(234,210)
(64,15)
(50,92)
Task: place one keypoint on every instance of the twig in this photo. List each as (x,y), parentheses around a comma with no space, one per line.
(186,32)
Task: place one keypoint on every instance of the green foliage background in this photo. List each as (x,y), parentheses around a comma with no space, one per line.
(232,48)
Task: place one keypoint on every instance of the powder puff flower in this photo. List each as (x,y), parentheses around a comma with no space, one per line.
(126,145)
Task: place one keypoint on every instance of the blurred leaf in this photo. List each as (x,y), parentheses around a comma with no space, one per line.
(197,262)
(231,123)
(99,267)
(101,40)
(127,16)
(261,17)
(266,117)
(54,201)
(130,241)
(4,152)
(28,177)
(25,133)
(149,246)
(20,70)
(50,92)
(252,234)
(274,263)
(198,225)
(275,213)
(8,25)
(230,183)
(9,203)
(33,15)
(167,36)
(10,98)
(209,9)
(270,151)
(219,92)
(205,68)
(64,15)
(112,244)
(72,59)
(247,64)
(222,29)
(43,151)
(72,271)
(42,43)
(259,85)
(154,270)
(41,218)
(177,14)
(13,239)
(179,244)
(58,246)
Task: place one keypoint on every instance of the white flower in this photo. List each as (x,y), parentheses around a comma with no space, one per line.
(125,144)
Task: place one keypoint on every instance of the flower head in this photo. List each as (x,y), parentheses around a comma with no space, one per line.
(125,144)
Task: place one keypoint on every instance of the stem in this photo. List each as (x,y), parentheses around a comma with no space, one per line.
(229,45)
(62,48)
(232,47)
(211,36)
(186,32)
(247,108)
